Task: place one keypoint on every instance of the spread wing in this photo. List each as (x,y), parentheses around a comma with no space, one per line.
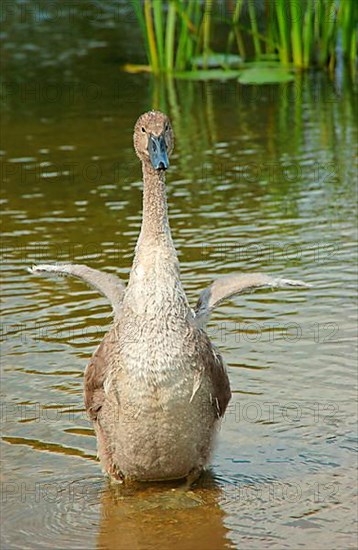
(234,284)
(106,283)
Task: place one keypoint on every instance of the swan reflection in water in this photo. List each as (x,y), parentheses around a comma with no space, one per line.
(162,516)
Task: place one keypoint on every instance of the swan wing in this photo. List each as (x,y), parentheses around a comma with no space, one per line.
(106,283)
(231,285)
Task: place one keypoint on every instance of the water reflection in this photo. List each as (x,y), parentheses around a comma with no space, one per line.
(160,517)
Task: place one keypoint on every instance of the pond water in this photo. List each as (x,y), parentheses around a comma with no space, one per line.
(262,179)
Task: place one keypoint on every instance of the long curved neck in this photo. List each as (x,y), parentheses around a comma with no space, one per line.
(155,224)
(154,282)
(155,249)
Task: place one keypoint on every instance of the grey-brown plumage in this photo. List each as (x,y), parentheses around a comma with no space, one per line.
(156,388)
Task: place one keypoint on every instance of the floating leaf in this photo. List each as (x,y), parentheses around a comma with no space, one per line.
(217,60)
(265,76)
(269,57)
(266,64)
(213,74)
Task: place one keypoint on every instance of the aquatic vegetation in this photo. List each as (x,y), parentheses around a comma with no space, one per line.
(181,36)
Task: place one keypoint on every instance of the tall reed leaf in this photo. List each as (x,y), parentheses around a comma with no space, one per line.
(305,32)
(154,62)
(282,19)
(170,36)
(255,30)
(296,36)
(158,27)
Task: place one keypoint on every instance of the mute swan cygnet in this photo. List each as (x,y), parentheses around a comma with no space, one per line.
(156,387)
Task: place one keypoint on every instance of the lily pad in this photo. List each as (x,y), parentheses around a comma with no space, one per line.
(217,60)
(269,57)
(265,75)
(213,74)
(267,64)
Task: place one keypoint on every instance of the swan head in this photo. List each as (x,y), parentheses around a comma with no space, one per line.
(154,140)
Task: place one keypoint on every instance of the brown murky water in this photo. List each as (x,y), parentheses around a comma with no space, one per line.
(263,179)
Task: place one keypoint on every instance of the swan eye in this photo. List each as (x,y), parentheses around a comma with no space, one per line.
(143,129)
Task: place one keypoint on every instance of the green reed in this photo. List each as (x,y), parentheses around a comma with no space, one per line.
(307,33)
(303,33)
(170,31)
